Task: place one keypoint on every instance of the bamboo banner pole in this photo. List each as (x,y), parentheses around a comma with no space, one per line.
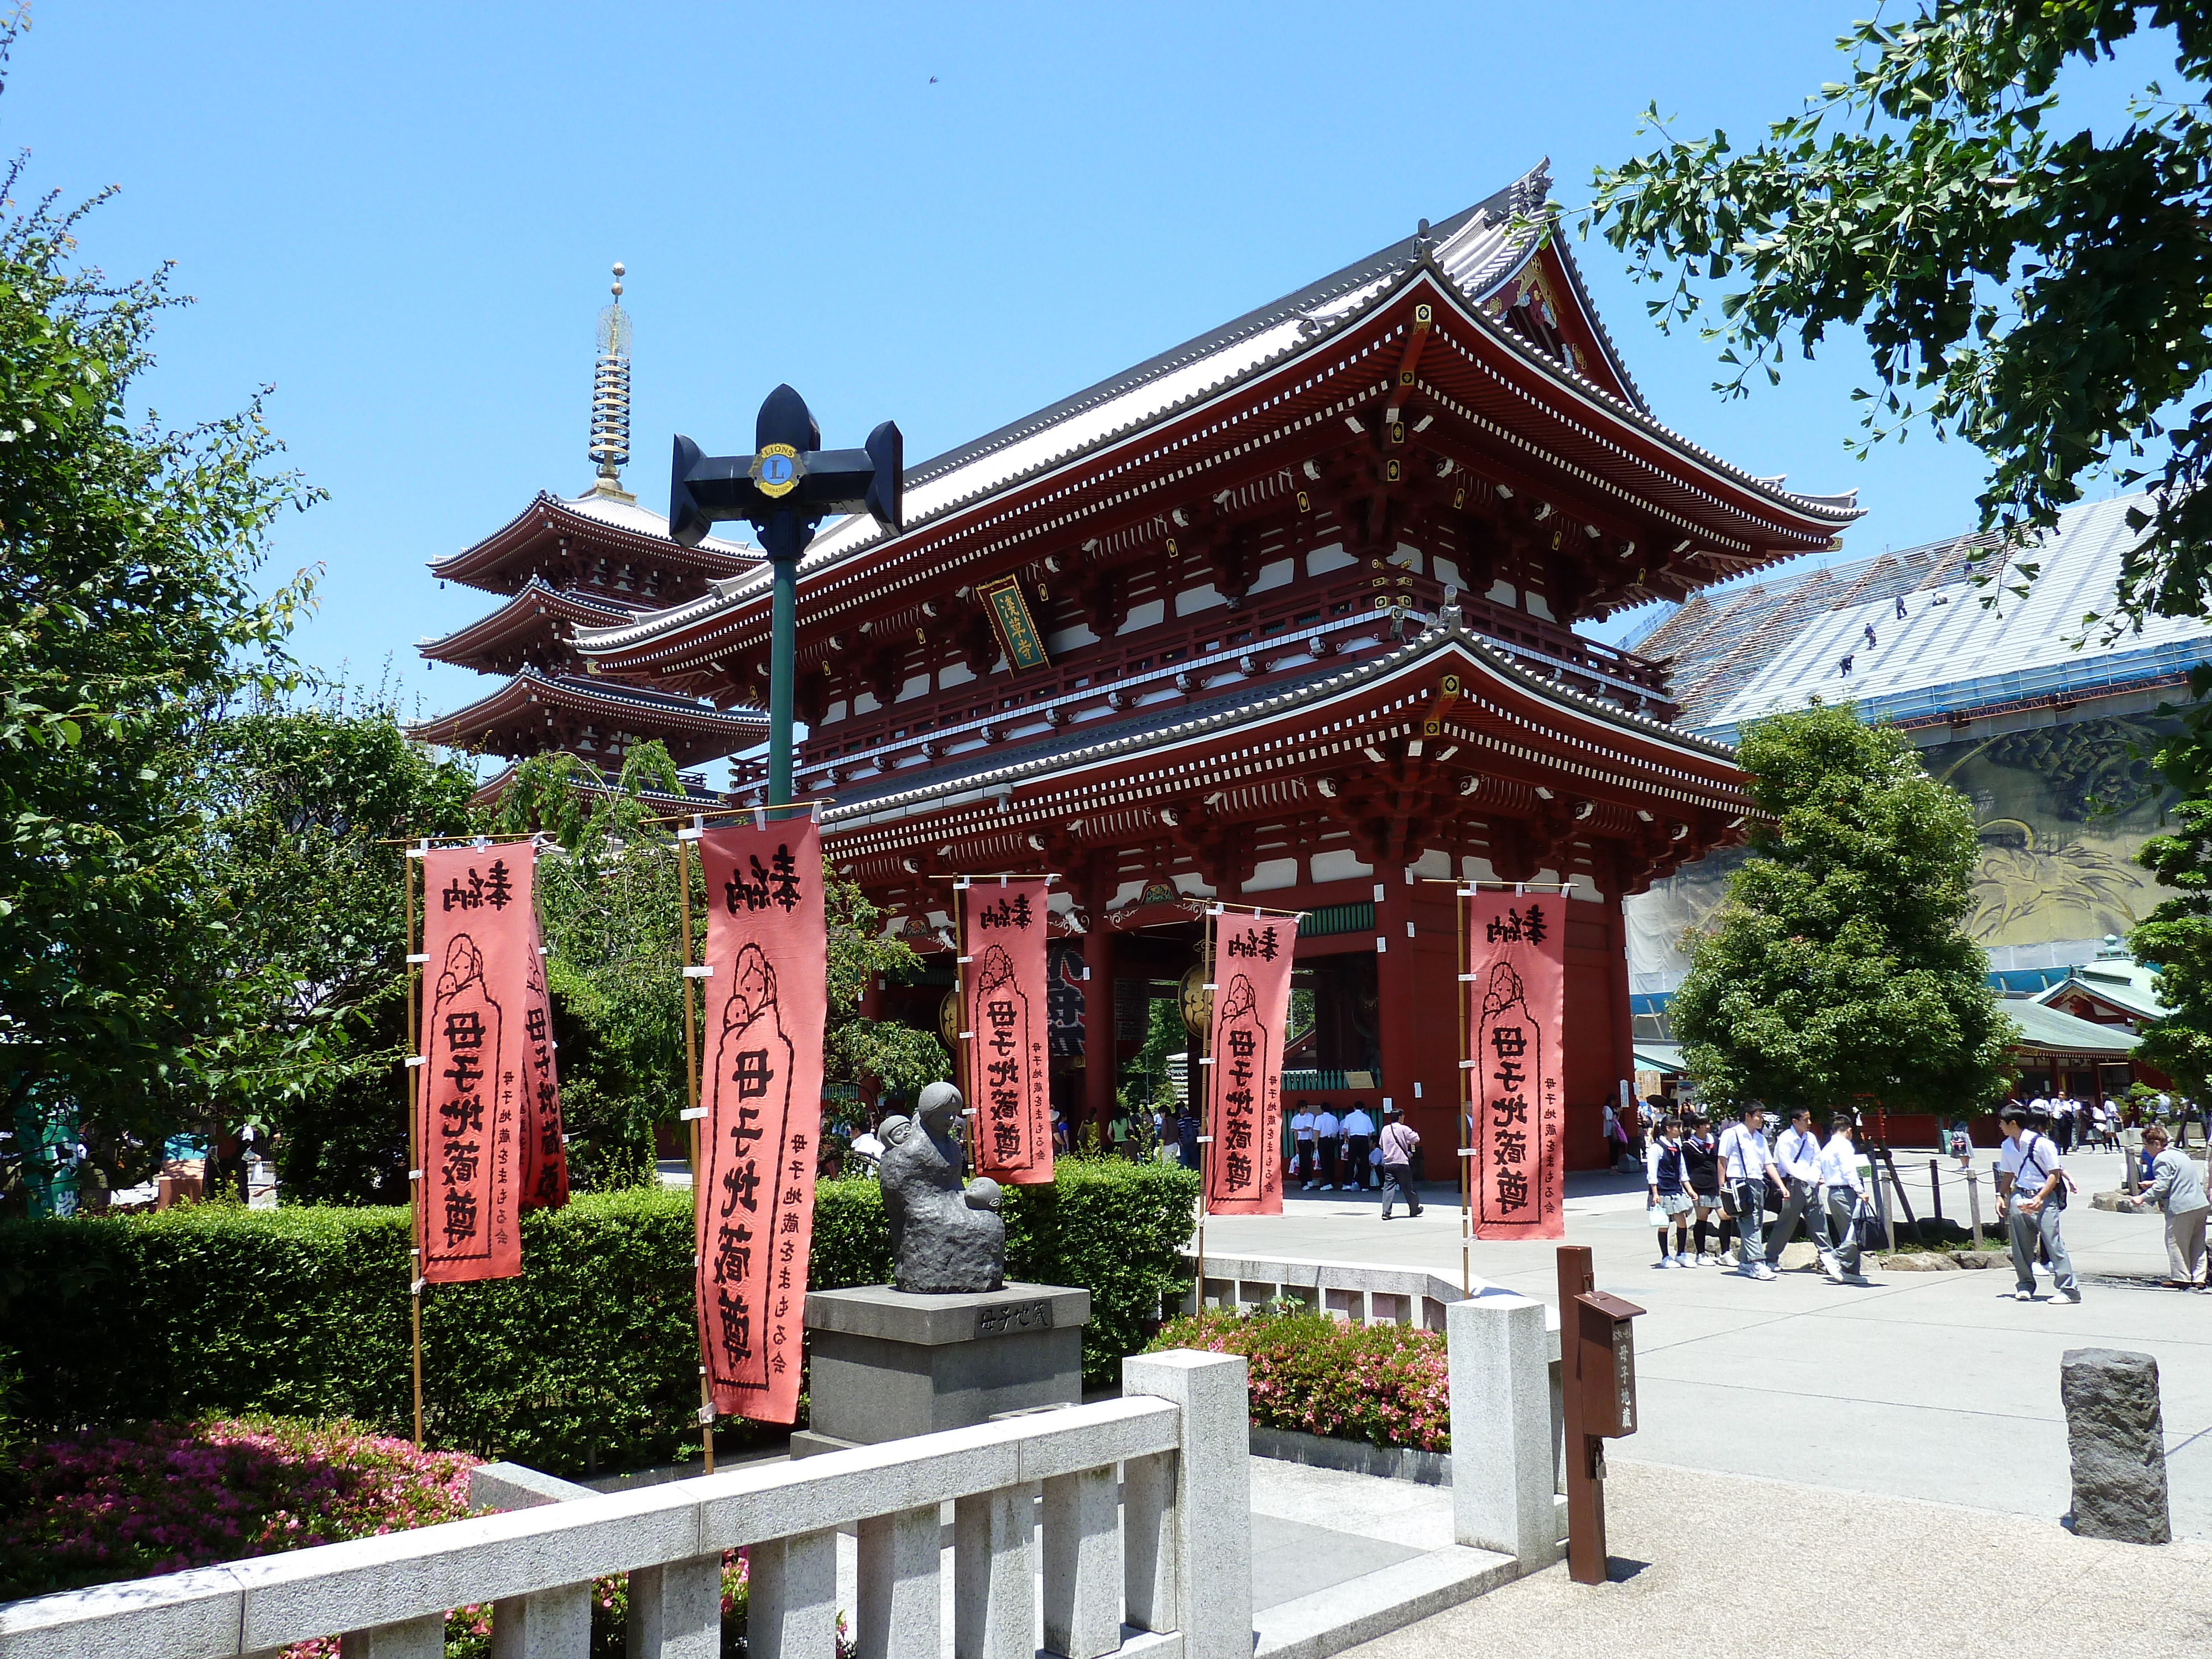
(961,1039)
(1204,1101)
(1465,980)
(416,1229)
(693,1111)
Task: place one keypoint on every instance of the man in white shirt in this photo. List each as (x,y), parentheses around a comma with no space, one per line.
(1843,1191)
(2033,1200)
(1797,1155)
(1747,1176)
(1302,1140)
(1326,1130)
(1358,1139)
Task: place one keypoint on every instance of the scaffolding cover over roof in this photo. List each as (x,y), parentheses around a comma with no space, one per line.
(1959,646)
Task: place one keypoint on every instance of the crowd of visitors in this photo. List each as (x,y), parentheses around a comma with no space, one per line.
(1710,1197)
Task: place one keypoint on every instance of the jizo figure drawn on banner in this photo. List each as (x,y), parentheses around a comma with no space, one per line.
(1244,1080)
(750,1067)
(1244,1167)
(1005,1003)
(1004,1047)
(1519,976)
(466,1029)
(761,1089)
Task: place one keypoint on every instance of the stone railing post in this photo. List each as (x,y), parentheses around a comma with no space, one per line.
(899,1612)
(791,1608)
(1210,1529)
(411,1639)
(1501,1427)
(1083,1575)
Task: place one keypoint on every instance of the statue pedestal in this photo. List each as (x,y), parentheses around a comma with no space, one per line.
(886,1363)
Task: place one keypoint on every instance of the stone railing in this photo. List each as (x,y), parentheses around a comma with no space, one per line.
(1360,1291)
(1156,1563)
(1507,1421)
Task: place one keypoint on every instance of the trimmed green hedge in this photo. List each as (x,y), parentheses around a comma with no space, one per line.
(587,1361)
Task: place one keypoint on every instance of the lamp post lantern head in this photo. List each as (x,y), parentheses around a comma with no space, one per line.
(789,484)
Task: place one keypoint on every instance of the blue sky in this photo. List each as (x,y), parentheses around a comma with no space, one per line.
(402,216)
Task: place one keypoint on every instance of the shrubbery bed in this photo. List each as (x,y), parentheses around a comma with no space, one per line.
(1389,1385)
(587,1361)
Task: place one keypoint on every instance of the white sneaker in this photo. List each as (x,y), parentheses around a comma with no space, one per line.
(2023,1296)
(1855,1279)
(1707,1258)
(1762,1271)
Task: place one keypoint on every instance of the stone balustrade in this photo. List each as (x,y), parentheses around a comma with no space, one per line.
(1507,1421)
(1156,1563)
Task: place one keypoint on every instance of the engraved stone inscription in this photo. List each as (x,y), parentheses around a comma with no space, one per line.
(1020,1316)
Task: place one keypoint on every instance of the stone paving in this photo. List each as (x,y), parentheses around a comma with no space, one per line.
(1718,1566)
(1933,1386)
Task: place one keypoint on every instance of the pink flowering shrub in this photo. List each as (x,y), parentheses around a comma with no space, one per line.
(1386,1384)
(160,1497)
(163,1498)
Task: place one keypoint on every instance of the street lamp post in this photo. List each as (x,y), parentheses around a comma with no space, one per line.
(786,488)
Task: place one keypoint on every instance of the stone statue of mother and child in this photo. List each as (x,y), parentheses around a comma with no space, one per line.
(946,1236)
(948,1342)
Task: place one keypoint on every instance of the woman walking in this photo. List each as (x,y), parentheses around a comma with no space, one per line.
(2177,1186)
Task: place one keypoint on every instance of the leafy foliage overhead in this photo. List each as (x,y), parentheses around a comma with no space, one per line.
(2039,292)
(1836,972)
(2177,935)
(130,617)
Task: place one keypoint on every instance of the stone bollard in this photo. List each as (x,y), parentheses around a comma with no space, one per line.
(2118,1438)
(1499,1355)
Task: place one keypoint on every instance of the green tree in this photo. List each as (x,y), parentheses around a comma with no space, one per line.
(1836,969)
(129,618)
(2038,292)
(303,866)
(2177,934)
(612,911)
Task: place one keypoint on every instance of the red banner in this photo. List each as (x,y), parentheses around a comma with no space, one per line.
(1245,1084)
(767,999)
(545,1160)
(1005,1017)
(480,933)
(1517,955)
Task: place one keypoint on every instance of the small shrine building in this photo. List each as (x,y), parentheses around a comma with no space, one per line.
(1283,617)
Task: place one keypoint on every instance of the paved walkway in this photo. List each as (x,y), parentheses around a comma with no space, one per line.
(1713,1566)
(1930,1386)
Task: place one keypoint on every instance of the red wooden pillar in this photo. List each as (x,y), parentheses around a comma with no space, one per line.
(1101,1062)
(1624,1026)
(1416,974)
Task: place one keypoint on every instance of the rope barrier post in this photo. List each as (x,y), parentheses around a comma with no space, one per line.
(1974,1203)
(417,1230)
(1935,1189)
(691,1102)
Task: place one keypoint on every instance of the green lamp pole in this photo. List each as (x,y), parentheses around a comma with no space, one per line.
(785,489)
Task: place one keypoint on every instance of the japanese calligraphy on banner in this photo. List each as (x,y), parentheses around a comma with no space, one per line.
(1245,1084)
(544,1157)
(761,1085)
(1005,1014)
(480,934)
(1517,955)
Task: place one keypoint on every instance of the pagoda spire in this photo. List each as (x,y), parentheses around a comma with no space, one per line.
(609,446)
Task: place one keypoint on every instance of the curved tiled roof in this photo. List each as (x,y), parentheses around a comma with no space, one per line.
(586,694)
(536,597)
(1229,713)
(1470,255)
(619,527)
